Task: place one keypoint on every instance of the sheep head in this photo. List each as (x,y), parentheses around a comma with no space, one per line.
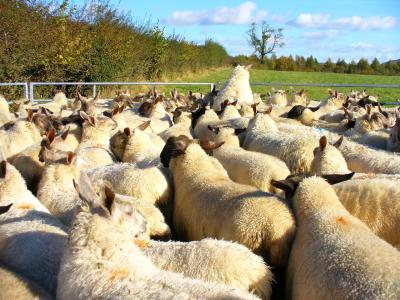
(291,183)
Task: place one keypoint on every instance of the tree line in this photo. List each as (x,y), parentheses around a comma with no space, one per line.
(51,41)
(311,64)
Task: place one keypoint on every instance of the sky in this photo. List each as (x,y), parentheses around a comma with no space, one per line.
(348,29)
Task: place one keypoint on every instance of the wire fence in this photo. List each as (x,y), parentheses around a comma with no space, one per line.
(29,88)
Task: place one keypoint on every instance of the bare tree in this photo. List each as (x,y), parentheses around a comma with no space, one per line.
(270,39)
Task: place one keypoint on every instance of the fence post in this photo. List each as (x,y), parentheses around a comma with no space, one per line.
(31,92)
(94,90)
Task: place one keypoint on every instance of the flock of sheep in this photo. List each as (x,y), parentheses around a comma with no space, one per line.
(221,196)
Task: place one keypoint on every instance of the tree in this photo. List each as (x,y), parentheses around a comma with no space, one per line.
(269,40)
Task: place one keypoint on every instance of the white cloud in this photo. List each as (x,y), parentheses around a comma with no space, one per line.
(362,46)
(244,13)
(320,35)
(324,21)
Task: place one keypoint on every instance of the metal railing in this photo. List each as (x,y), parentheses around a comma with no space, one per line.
(24,84)
(96,84)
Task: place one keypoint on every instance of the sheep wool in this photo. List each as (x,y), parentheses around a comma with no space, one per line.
(334,255)
(237,88)
(213,260)
(31,240)
(209,204)
(375,202)
(100,265)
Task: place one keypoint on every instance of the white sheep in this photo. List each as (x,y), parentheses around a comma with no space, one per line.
(328,159)
(140,148)
(5,116)
(95,143)
(279,97)
(209,204)
(334,255)
(16,287)
(101,261)
(56,184)
(248,167)
(212,260)
(237,88)
(31,240)
(151,184)
(375,202)
(21,135)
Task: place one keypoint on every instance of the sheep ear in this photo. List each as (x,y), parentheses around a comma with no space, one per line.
(369,109)
(313,108)
(115,111)
(288,185)
(323,141)
(71,157)
(269,110)
(51,135)
(3,168)
(65,134)
(234,103)
(214,130)
(4,209)
(86,117)
(207,145)
(339,142)
(302,92)
(336,178)
(346,113)
(30,115)
(254,107)
(144,125)
(240,130)
(109,197)
(127,131)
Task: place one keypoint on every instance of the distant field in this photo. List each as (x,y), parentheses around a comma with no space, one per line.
(315,93)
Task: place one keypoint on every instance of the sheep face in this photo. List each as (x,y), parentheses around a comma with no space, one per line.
(299,98)
(176,146)
(279,97)
(393,143)
(371,121)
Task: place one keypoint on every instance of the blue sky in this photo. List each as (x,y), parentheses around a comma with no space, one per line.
(348,29)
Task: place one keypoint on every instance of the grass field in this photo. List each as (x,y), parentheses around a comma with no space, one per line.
(315,93)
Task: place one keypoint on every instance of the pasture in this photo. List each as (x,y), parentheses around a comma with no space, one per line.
(315,93)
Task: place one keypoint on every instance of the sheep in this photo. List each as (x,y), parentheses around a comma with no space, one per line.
(393,142)
(375,202)
(59,102)
(328,159)
(156,112)
(230,112)
(279,97)
(101,261)
(95,143)
(298,98)
(368,122)
(237,88)
(182,125)
(27,161)
(304,114)
(139,147)
(201,118)
(56,184)
(205,196)
(16,287)
(5,116)
(295,150)
(334,255)
(247,167)
(156,226)
(212,260)
(150,184)
(31,240)
(21,135)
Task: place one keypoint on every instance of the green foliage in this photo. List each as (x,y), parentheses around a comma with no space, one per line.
(45,40)
(311,64)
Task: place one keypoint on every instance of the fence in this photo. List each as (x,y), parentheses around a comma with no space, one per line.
(96,84)
(29,90)
(24,84)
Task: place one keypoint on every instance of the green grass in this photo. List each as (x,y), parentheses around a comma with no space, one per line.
(315,93)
